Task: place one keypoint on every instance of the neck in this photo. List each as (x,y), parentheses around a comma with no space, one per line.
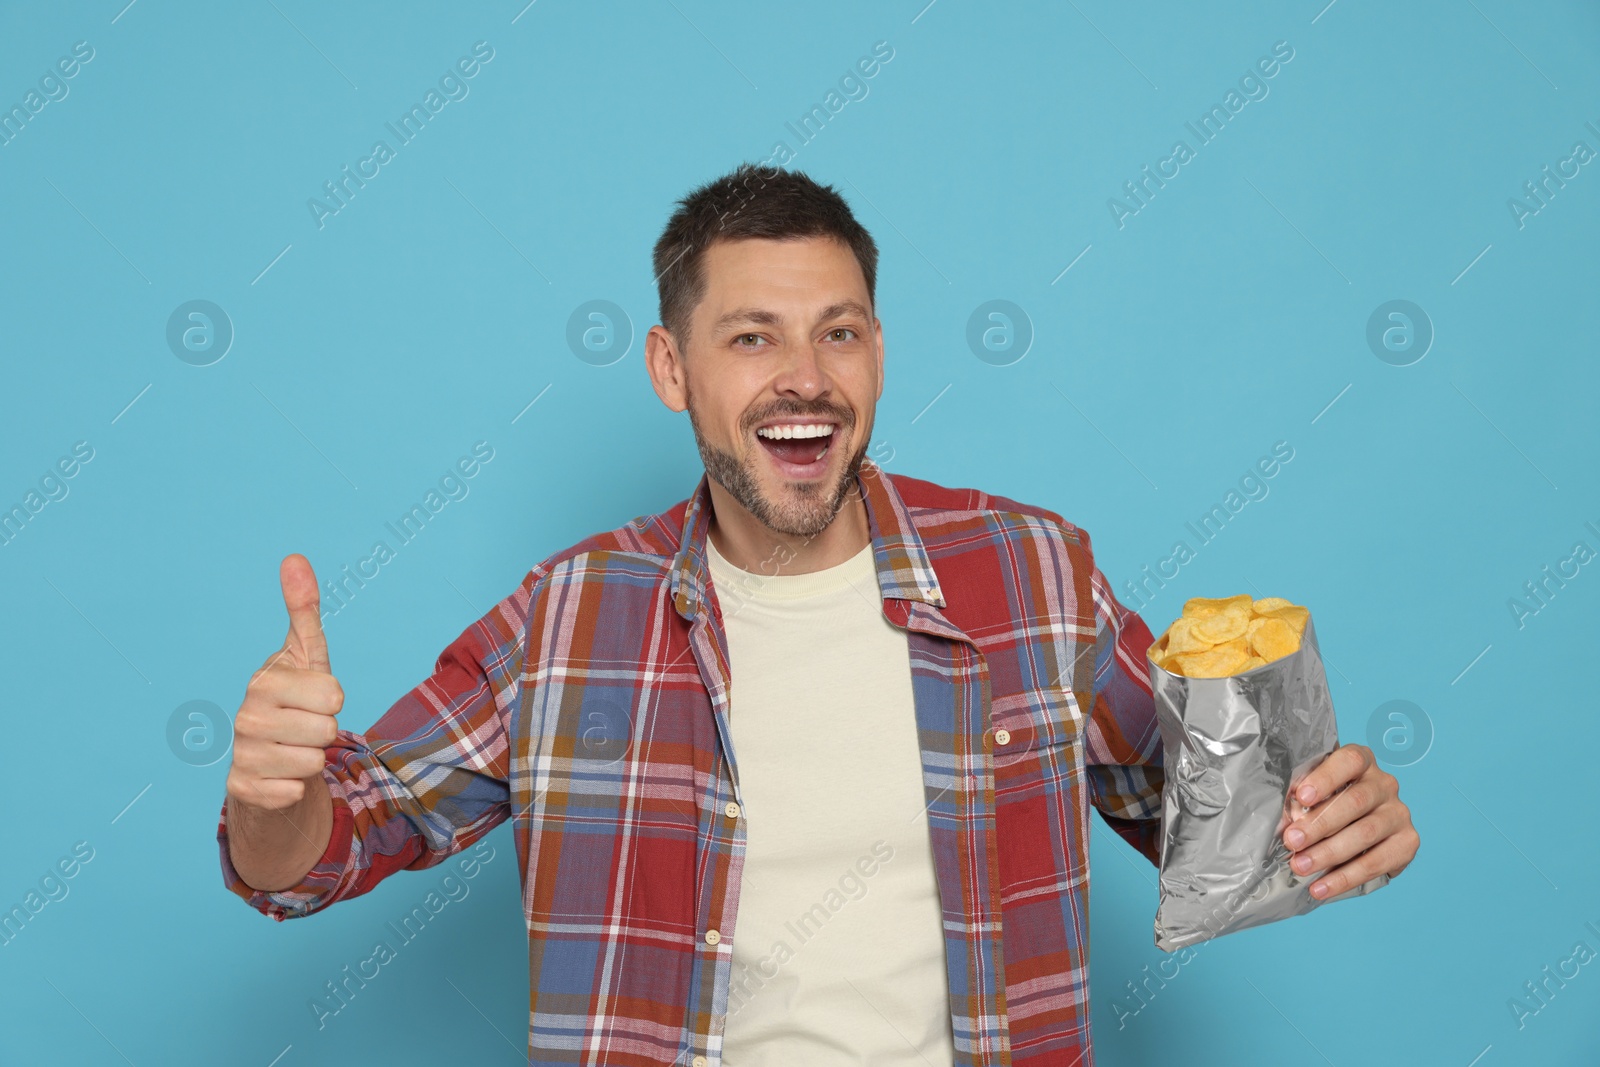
(750,545)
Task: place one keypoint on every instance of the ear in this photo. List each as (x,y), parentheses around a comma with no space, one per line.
(665,364)
(877,329)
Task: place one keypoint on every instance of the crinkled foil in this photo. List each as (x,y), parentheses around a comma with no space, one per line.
(1236,749)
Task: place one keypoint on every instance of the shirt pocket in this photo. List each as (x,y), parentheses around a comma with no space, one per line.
(1035,704)
(1042,718)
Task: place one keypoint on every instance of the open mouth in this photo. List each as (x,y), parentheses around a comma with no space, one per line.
(799,449)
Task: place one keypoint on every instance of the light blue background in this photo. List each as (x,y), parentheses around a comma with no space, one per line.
(1228,314)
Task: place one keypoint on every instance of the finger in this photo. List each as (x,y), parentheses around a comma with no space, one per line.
(1350,803)
(255,758)
(271,794)
(1390,856)
(287,726)
(1344,764)
(300,597)
(1349,840)
(283,686)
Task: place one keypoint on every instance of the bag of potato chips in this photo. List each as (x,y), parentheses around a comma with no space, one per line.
(1245,713)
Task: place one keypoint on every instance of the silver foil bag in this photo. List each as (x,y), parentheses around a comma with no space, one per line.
(1236,749)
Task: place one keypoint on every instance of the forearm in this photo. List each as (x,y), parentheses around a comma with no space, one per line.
(275,849)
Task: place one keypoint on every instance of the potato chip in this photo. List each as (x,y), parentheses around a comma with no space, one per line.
(1252,663)
(1161,655)
(1272,638)
(1214,663)
(1199,607)
(1223,626)
(1238,644)
(1269,603)
(1294,615)
(1181,637)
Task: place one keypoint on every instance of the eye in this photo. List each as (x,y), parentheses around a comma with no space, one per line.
(841,329)
(742,338)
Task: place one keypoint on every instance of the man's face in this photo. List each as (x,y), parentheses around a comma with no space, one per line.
(783,373)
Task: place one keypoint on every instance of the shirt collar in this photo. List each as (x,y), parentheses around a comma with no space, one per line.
(904,572)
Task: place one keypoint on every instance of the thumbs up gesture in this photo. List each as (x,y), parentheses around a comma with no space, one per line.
(288,714)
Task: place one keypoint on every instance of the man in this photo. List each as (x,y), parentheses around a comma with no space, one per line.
(800,769)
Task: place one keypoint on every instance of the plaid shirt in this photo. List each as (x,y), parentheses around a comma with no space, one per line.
(591,708)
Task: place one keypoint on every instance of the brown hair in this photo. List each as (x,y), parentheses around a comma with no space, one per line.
(751,201)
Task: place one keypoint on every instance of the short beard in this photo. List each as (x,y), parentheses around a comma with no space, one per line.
(807,517)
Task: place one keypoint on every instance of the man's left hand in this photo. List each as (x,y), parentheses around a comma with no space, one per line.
(1356,828)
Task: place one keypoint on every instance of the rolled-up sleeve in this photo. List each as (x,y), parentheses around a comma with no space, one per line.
(425,781)
(1124,758)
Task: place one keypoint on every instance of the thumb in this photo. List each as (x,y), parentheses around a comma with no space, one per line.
(300,597)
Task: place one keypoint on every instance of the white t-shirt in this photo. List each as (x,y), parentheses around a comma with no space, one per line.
(838,948)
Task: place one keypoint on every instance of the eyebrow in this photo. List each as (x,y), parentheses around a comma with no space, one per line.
(763,317)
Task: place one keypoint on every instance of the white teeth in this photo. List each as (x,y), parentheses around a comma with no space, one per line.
(788,431)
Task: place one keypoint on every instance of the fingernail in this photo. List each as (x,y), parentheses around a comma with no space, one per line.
(1308,794)
(1295,838)
(1320,890)
(1301,864)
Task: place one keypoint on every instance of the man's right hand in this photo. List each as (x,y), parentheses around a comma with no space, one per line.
(288,714)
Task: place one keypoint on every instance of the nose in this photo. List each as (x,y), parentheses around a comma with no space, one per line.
(802,375)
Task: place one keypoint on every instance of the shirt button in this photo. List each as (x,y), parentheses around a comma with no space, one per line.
(699,1061)
(712,937)
(1002,736)
(732,809)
